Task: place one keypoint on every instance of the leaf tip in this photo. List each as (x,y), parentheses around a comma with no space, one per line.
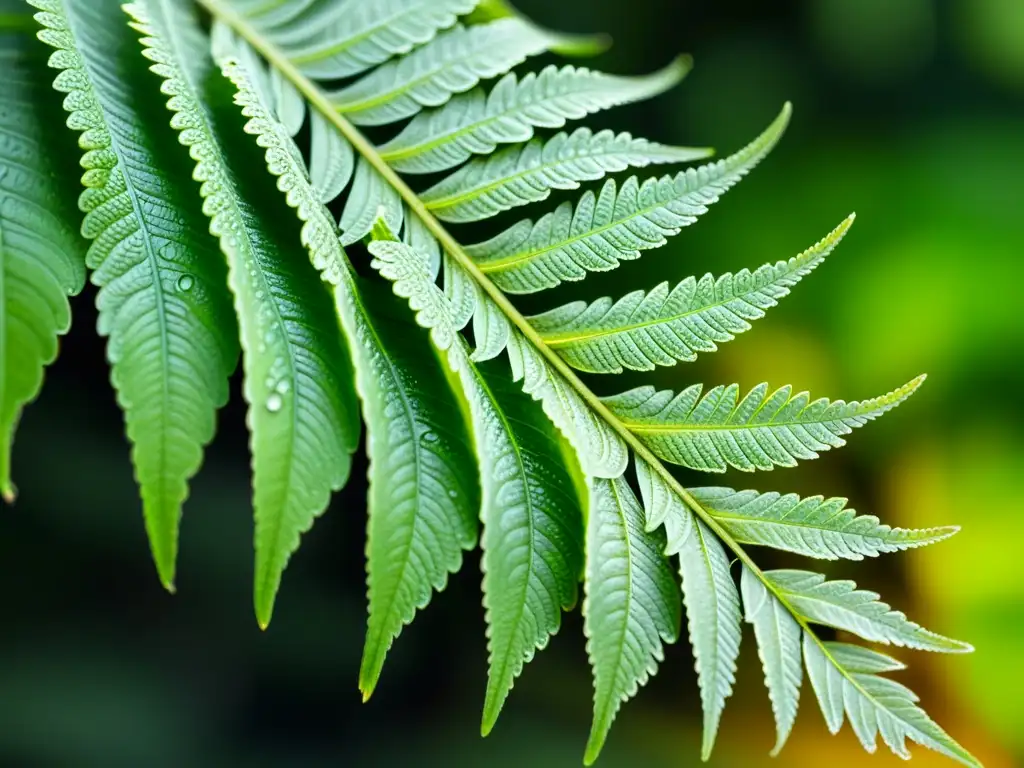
(488,722)
(683,64)
(368,678)
(8,493)
(264,612)
(165,572)
(594,746)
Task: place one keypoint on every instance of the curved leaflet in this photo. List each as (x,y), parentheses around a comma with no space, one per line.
(162,301)
(303,418)
(42,259)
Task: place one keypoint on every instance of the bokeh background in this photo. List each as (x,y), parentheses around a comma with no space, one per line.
(909,112)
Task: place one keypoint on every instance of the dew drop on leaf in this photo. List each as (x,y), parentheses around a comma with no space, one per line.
(185,283)
(274,403)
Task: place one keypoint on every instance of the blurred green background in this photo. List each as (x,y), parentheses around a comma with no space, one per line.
(909,112)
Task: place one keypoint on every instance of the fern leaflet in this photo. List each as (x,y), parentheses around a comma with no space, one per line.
(171,342)
(660,327)
(298,381)
(41,259)
(761,431)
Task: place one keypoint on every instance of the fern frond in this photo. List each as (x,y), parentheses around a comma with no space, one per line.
(600,438)
(846,677)
(42,259)
(453,62)
(761,431)
(533,522)
(632,603)
(522,175)
(813,526)
(663,326)
(841,605)
(161,299)
(615,225)
(475,123)
(778,644)
(302,416)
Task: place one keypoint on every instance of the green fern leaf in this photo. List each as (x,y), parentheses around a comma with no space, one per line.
(848,677)
(533,524)
(760,431)
(42,260)
(663,326)
(527,174)
(813,526)
(337,40)
(532,542)
(303,416)
(476,123)
(713,616)
(423,493)
(467,124)
(632,603)
(615,225)
(453,62)
(161,300)
(778,645)
(841,605)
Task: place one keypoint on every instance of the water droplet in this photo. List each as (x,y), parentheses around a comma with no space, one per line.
(453,494)
(428,437)
(274,403)
(185,283)
(283,387)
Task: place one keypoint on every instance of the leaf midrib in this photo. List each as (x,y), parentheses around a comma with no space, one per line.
(220,10)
